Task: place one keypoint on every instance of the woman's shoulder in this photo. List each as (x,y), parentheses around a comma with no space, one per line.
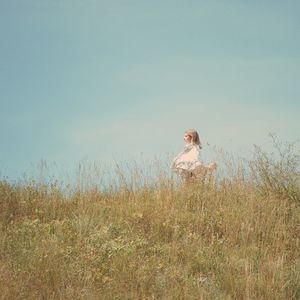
(188,146)
(195,146)
(191,147)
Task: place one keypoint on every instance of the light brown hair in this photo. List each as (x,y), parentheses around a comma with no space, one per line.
(194,136)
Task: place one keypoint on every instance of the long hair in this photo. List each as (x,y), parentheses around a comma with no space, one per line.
(195,137)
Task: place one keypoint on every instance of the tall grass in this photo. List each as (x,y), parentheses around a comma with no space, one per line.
(229,238)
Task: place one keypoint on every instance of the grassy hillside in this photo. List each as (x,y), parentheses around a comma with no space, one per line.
(234,238)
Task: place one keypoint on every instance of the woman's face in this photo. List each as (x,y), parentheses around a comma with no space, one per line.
(187,138)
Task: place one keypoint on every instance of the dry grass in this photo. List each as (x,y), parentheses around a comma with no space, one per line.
(234,239)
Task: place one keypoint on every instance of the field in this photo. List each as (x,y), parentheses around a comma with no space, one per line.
(230,238)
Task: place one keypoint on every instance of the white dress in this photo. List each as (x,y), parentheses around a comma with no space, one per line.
(187,160)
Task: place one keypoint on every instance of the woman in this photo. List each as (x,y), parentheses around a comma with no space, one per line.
(187,163)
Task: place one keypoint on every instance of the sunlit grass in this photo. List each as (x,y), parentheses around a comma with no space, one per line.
(235,237)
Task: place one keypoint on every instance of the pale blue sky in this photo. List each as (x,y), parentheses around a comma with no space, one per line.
(116,80)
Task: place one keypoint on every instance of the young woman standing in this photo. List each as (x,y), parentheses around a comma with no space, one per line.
(188,163)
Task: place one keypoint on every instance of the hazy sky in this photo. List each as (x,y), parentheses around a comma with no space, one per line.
(116,80)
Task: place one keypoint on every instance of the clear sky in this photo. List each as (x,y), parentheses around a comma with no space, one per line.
(112,80)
